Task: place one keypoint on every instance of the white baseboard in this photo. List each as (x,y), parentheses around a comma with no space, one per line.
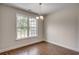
(62,46)
(11,48)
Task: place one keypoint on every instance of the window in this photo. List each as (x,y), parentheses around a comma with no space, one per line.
(32,27)
(26,26)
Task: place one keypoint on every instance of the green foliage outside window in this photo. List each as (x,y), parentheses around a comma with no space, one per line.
(23,24)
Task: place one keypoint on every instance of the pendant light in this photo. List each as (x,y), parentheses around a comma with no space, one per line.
(40,16)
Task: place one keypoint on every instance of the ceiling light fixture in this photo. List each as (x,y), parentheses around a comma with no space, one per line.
(40,16)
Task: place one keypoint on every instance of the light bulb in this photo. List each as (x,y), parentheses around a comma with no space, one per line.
(41,17)
(37,17)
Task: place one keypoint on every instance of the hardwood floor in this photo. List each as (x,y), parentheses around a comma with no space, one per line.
(42,48)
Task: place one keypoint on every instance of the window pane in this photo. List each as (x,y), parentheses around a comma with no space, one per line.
(18,34)
(21,26)
(32,27)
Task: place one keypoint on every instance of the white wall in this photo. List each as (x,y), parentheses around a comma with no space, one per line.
(8,29)
(61,26)
(78,29)
(0,29)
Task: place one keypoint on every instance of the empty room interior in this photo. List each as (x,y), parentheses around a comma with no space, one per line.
(39,28)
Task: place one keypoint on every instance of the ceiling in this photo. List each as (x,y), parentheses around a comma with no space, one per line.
(46,8)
